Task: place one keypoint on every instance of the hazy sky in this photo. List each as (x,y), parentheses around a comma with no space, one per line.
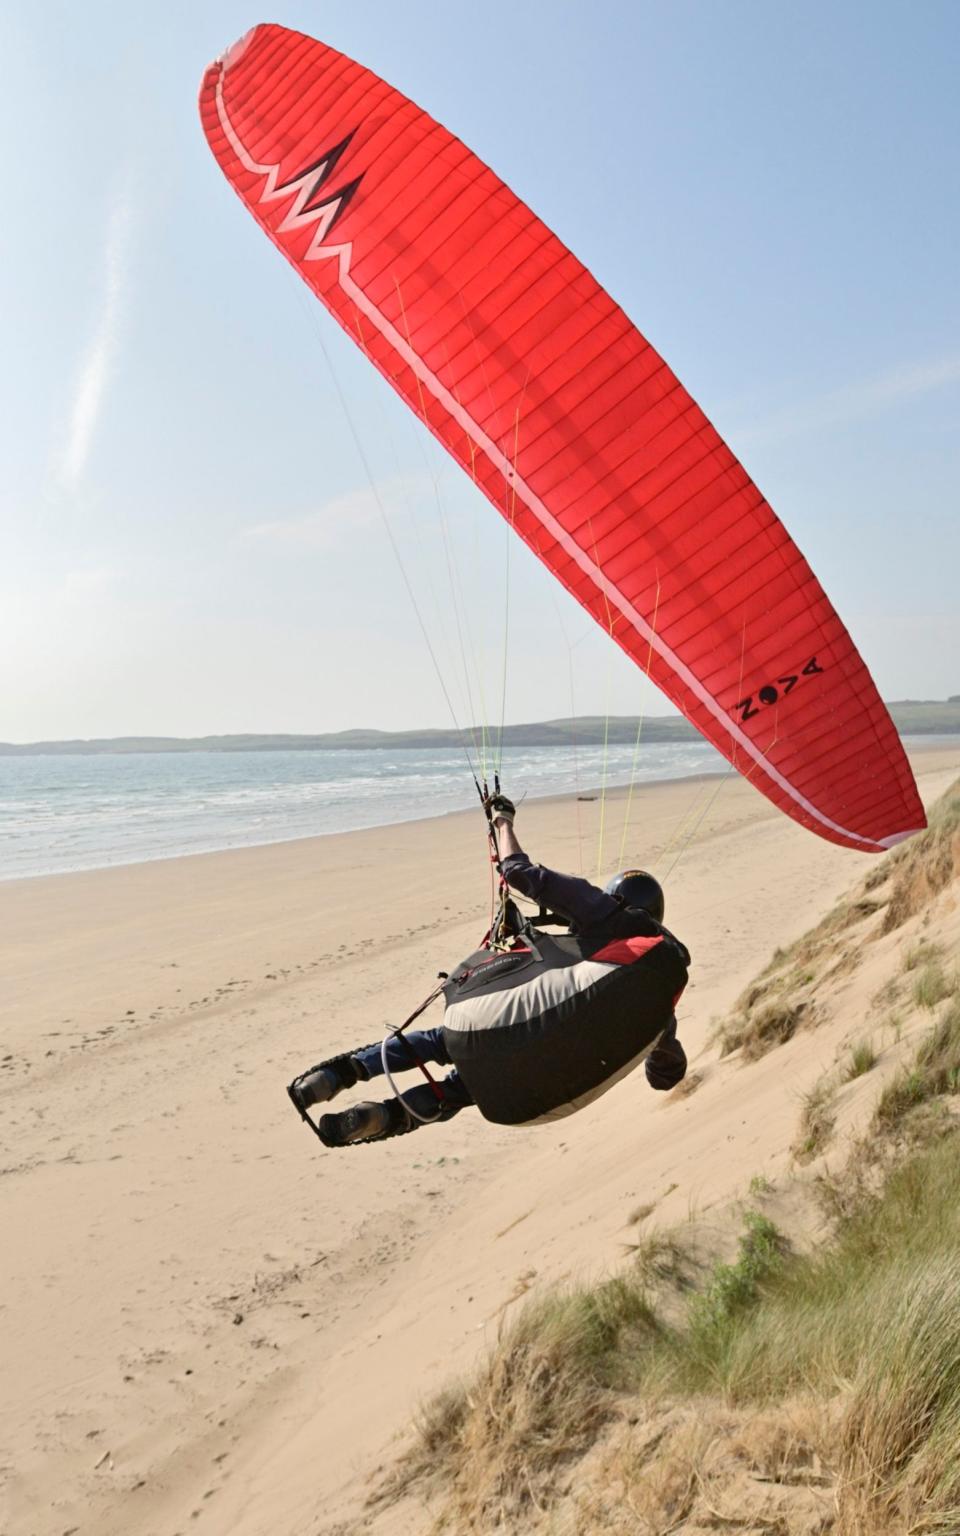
(190,539)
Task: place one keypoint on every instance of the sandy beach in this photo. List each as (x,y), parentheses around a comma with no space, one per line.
(206,1321)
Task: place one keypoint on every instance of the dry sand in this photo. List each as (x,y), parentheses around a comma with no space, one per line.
(209,1323)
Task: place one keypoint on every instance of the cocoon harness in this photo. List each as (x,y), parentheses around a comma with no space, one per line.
(548,1026)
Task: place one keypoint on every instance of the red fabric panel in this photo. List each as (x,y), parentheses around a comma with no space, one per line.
(625,951)
(574,427)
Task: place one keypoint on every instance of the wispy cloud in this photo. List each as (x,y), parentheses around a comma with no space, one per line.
(101,354)
(855,402)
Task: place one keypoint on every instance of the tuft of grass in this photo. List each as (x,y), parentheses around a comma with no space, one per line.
(921,954)
(546,1389)
(760,1185)
(935,1071)
(863,1058)
(657,1259)
(850,912)
(735,1287)
(759,1031)
(898,1097)
(439,1421)
(842,1194)
(932,986)
(939,1056)
(817,1119)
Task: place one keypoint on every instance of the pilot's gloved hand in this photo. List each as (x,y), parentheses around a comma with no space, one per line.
(499,808)
(666,1066)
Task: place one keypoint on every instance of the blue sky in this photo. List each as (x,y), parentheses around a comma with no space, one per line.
(190,538)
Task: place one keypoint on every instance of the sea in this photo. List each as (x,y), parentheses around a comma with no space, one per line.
(66,813)
(72,812)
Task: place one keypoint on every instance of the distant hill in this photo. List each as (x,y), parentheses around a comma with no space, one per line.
(926,717)
(912,717)
(588,729)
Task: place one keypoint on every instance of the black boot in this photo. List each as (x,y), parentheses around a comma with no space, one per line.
(364,1122)
(321,1084)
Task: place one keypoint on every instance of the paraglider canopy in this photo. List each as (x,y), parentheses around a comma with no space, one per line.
(563,414)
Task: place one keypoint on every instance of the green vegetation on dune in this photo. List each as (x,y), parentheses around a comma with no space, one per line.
(863,1058)
(933,1075)
(870,1324)
(873,1320)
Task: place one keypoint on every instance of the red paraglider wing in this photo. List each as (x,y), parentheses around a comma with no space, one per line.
(570,422)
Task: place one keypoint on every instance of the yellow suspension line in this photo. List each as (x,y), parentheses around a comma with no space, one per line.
(636,745)
(512,504)
(611,622)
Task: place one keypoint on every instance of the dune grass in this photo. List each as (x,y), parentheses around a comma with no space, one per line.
(878,1313)
(870,1325)
(757,1030)
(934,1072)
(734,1288)
(932,986)
(863,1058)
(544,1394)
(920,954)
(817,1119)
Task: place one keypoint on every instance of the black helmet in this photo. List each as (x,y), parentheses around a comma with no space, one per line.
(635,888)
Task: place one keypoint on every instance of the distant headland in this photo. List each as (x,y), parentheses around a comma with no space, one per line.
(912,717)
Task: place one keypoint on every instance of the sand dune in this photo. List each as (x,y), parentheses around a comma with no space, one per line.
(209,1323)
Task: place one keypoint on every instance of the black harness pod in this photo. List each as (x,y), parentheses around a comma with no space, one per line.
(545,1028)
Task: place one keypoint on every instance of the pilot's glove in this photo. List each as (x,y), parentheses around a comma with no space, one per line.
(499,808)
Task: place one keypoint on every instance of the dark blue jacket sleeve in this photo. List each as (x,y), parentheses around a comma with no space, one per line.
(567,895)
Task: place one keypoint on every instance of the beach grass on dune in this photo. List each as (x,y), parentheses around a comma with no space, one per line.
(933,1073)
(871,1323)
(863,1058)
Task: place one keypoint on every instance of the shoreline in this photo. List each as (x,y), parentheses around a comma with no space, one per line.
(585,795)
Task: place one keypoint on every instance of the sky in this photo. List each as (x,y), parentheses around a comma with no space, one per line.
(194,462)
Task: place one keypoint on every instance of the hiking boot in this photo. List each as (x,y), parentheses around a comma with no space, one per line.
(363,1122)
(321,1084)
